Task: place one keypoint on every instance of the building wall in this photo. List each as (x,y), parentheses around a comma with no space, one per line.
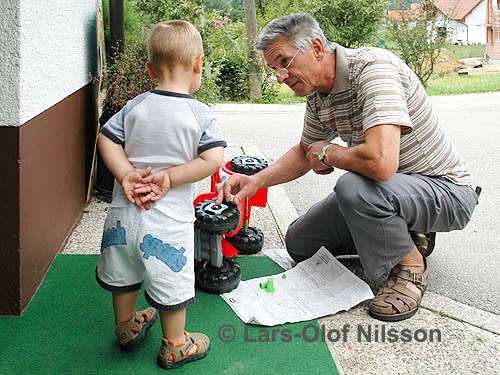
(466,31)
(493,33)
(457,31)
(10,51)
(52,181)
(49,49)
(477,34)
(55,56)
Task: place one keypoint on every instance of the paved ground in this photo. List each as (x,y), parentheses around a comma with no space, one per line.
(461,310)
(465,266)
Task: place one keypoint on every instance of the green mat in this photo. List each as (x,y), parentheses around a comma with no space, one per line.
(68,329)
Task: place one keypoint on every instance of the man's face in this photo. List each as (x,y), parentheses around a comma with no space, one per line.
(302,72)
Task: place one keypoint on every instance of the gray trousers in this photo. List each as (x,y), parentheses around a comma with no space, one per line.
(373,219)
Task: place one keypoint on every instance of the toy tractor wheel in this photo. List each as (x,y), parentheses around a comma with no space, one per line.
(249,242)
(218,280)
(214,218)
(248,165)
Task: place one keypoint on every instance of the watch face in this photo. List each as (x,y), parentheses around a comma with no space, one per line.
(322,153)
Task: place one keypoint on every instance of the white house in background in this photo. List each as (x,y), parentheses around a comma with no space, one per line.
(464,20)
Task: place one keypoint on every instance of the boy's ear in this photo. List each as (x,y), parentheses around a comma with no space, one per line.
(151,71)
(198,63)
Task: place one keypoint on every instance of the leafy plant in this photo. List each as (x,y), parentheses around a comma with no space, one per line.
(417,38)
(127,77)
(267,10)
(349,23)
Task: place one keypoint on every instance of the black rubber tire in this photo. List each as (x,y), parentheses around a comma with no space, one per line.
(250,242)
(240,164)
(217,280)
(212,222)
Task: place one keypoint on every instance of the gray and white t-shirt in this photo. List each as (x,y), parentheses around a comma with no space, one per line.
(163,129)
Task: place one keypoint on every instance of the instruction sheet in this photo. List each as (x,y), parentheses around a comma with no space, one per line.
(316,287)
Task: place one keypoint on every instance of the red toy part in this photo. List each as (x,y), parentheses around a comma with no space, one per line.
(227,249)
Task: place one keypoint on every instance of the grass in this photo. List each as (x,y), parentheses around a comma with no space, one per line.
(464,52)
(287,96)
(454,84)
(438,84)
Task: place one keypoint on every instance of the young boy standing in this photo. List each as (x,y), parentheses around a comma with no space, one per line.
(169,133)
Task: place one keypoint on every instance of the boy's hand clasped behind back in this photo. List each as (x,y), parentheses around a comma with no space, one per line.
(144,187)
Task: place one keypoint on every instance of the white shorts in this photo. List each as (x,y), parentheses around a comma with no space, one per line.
(148,246)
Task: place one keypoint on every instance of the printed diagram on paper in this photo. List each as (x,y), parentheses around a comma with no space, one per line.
(316,287)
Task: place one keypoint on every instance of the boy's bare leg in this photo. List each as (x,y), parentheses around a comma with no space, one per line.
(124,305)
(173,325)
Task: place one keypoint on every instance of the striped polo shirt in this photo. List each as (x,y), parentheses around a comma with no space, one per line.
(374,87)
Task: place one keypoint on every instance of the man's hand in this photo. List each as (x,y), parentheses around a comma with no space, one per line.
(153,187)
(129,181)
(313,157)
(240,185)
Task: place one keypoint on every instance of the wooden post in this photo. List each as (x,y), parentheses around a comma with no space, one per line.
(254,79)
(206,60)
(116,28)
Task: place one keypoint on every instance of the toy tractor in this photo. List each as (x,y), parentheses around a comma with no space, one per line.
(248,240)
(222,231)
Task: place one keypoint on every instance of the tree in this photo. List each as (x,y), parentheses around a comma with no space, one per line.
(418,38)
(267,10)
(161,10)
(254,79)
(349,22)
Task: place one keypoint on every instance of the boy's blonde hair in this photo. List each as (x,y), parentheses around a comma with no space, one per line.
(173,43)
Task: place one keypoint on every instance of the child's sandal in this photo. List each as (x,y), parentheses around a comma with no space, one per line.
(173,356)
(132,333)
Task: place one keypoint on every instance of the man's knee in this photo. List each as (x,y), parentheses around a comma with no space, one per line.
(353,189)
(293,243)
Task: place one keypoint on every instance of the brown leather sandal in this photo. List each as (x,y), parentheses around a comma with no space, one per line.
(424,242)
(398,296)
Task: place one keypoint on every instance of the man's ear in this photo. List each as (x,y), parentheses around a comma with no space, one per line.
(198,63)
(151,71)
(318,48)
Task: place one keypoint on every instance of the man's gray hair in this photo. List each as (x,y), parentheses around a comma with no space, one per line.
(299,28)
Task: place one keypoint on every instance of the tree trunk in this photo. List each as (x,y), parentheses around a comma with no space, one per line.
(116,28)
(208,68)
(254,79)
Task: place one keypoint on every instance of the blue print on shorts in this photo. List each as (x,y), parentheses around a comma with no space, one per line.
(169,255)
(114,236)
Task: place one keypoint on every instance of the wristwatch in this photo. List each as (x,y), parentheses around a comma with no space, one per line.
(322,155)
